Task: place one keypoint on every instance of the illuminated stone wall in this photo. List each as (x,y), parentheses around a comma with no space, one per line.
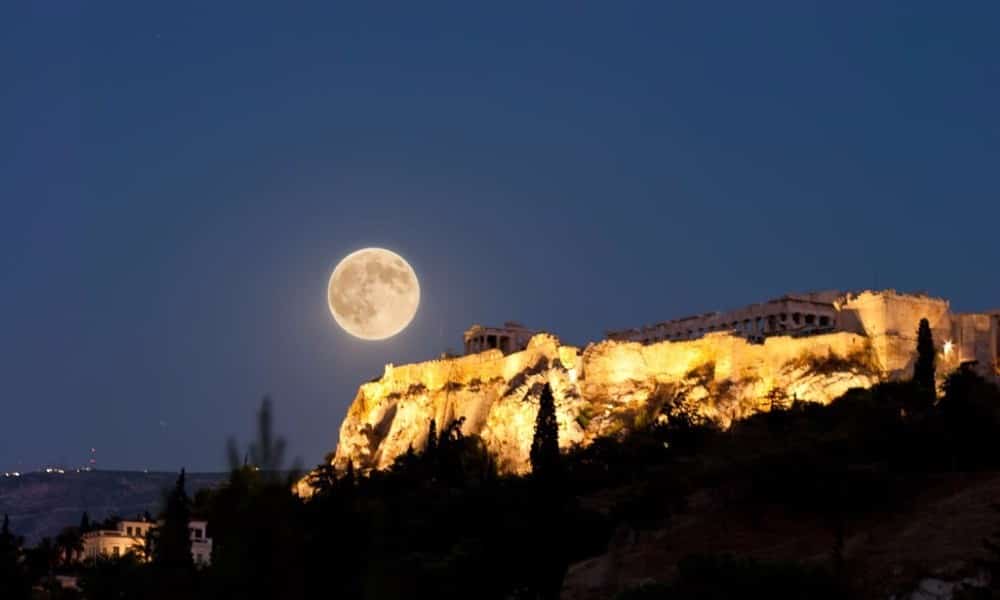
(612,386)
(804,313)
(890,320)
(607,388)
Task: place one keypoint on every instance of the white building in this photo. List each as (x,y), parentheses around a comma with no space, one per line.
(131,536)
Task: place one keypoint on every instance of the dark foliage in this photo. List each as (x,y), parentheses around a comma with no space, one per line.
(545,443)
(923,369)
(256,525)
(85,524)
(123,578)
(970,420)
(14,581)
(442,523)
(172,543)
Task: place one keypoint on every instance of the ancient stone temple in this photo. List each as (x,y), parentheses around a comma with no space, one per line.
(512,337)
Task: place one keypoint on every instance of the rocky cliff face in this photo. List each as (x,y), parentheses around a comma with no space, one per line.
(606,389)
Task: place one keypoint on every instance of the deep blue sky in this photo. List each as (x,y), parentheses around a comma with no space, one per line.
(178,180)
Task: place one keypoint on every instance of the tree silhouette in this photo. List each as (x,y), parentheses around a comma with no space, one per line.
(348,478)
(42,560)
(85,524)
(172,541)
(70,544)
(545,444)
(13,581)
(267,453)
(969,412)
(923,370)
(265,456)
(256,532)
(323,478)
(432,439)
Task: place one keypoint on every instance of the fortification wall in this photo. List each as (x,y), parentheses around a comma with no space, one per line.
(612,386)
(890,320)
(609,387)
(975,337)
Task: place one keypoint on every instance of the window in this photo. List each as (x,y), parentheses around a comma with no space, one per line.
(115,551)
(824,321)
(128,531)
(197,534)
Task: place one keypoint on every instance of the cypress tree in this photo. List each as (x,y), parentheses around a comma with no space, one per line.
(85,523)
(172,544)
(432,439)
(349,474)
(923,370)
(430,455)
(14,582)
(545,444)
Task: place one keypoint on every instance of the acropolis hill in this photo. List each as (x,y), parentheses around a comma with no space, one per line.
(724,366)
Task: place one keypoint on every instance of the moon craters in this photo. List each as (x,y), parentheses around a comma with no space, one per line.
(373,293)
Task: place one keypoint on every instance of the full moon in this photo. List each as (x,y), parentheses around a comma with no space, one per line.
(373,293)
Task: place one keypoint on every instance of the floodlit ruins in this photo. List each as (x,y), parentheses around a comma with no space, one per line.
(888,318)
(722,365)
(512,337)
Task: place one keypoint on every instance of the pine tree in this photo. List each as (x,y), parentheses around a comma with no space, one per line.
(923,370)
(545,444)
(172,542)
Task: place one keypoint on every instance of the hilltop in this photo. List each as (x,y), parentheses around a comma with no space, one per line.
(40,504)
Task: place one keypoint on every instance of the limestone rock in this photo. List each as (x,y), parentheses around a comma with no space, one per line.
(606,389)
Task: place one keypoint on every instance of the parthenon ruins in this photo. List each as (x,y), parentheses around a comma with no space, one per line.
(887,318)
(790,314)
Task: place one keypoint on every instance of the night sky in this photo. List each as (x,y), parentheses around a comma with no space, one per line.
(178,180)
